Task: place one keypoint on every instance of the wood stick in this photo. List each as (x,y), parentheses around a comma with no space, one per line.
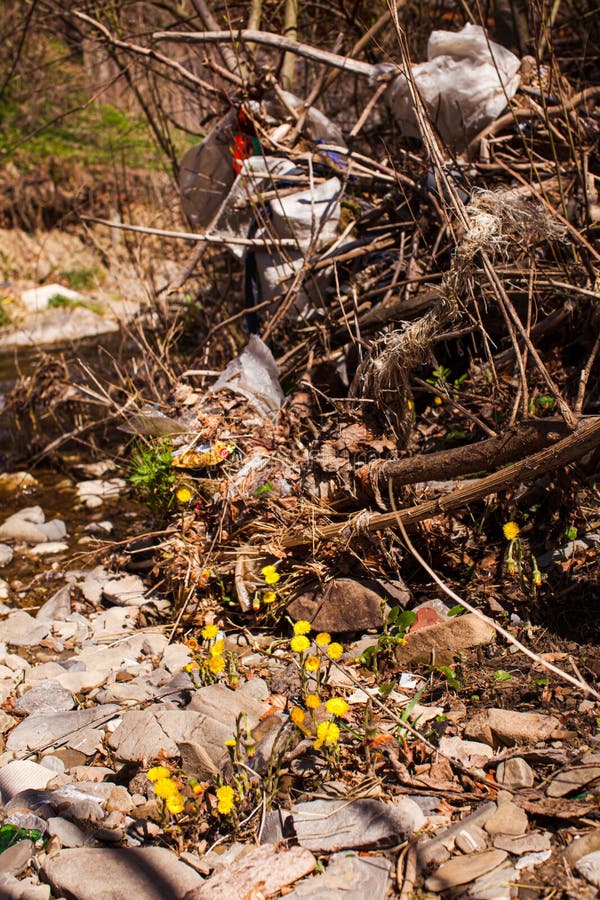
(481,456)
(581,441)
(266,39)
(193,236)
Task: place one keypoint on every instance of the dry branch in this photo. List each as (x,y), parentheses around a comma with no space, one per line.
(266,39)
(581,441)
(482,456)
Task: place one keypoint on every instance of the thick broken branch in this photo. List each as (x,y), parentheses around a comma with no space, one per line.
(581,441)
(482,456)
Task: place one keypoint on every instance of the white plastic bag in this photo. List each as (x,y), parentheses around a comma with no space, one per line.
(466,83)
(254,375)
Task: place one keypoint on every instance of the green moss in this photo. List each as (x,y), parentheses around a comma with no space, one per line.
(84,279)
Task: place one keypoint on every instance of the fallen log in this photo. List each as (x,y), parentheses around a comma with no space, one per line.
(585,438)
(483,456)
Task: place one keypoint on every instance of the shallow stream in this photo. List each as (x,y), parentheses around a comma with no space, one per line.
(32,579)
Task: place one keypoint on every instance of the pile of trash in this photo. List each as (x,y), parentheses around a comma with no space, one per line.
(269,179)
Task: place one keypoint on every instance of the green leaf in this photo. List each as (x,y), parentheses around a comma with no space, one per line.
(502,675)
(456,610)
(451,677)
(267,486)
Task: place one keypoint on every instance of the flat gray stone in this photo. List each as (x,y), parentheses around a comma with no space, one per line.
(261,871)
(69,834)
(324,826)
(6,555)
(587,843)
(572,780)
(144,734)
(515,774)
(47,696)
(14,860)
(471,839)
(23,526)
(442,641)
(348,877)
(507,727)
(220,703)
(57,608)
(345,605)
(534,842)
(589,867)
(463,869)
(496,885)
(151,873)
(12,888)
(20,774)
(42,731)
(22,630)
(508,818)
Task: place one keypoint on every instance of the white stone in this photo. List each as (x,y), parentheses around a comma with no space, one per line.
(6,555)
(49,549)
(20,775)
(589,867)
(38,298)
(22,630)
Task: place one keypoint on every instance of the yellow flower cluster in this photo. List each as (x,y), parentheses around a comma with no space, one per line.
(511,530)
(166,788)
(328,732)
(225,799)
(270,574)
(300,644)
(209,660)
(184,495)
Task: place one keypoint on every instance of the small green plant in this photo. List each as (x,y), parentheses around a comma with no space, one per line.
(152,475)
(571,533)
(542,404)
(439,377)
(451,677)
(59,301)
(501,675)
(83,279)
(264,489)
(394,631)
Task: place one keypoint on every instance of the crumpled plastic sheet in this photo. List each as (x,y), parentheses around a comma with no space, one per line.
(465,84)
(255,376)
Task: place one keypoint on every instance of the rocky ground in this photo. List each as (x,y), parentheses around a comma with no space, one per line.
(239,761)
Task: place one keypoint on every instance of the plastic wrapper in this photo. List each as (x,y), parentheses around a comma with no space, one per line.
(255,376)
(465,84)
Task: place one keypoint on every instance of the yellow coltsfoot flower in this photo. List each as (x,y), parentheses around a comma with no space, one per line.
(337,706)
(216,664)
(225,797)
(157,772)
(335,650)
(302,627)
(184,495)
(300,643)
(328,733)
(323,639)
(270,574)
(209,632)
(511,530)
